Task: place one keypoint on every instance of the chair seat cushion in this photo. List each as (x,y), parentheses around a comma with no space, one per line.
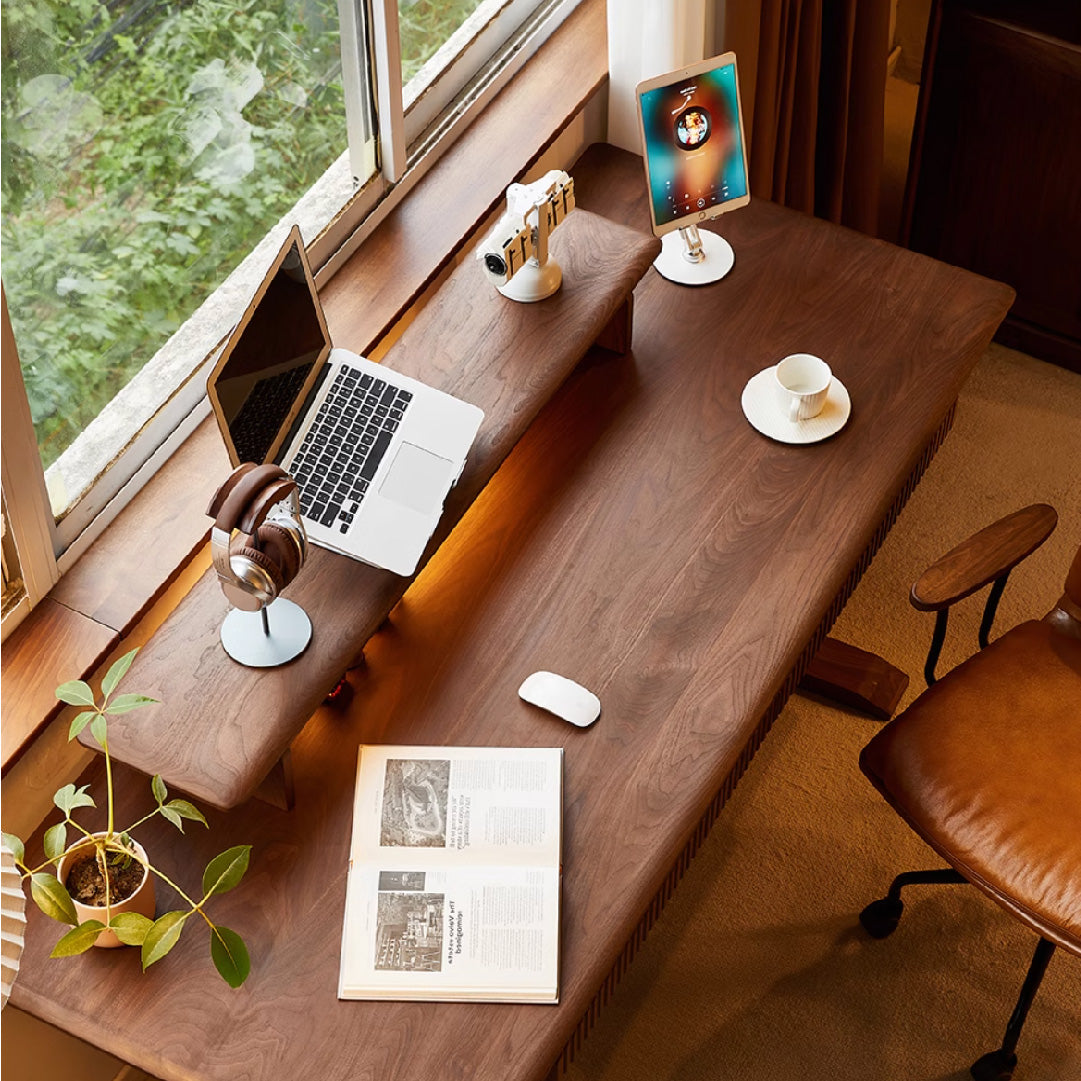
(986,766)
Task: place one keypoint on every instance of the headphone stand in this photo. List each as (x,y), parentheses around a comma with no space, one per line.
(277,634)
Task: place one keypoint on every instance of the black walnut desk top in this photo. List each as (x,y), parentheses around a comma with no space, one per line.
(222,727)
(643,539)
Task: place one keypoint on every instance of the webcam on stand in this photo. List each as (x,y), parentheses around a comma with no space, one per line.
(515,254)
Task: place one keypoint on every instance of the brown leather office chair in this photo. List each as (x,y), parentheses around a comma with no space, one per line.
(986,764)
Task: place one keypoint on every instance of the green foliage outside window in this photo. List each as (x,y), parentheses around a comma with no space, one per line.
(146,146)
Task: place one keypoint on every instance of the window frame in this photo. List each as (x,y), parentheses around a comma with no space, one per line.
(46,549)
(26,502)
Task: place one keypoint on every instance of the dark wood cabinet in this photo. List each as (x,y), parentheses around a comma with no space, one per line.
(995,175)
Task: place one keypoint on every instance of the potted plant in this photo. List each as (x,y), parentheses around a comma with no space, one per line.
(109,872)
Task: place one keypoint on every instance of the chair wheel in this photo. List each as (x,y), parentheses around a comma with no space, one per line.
(880,918)
(994,1066)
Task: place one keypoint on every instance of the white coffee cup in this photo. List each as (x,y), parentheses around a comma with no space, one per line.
(803,381)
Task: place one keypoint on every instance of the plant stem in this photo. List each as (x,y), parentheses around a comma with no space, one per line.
(196,907)
(108,779)
(28,872)
(136,825)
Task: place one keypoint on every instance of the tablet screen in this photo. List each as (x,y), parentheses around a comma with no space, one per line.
(693,145)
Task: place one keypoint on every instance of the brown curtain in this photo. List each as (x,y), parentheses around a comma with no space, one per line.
(818,69)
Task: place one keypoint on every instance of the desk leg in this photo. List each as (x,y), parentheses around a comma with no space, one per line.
(616,336)
(277,787)
(853,677)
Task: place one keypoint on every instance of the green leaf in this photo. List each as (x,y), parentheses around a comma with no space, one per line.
(78,939)
(52,898)
(80,722)
(131,927)
(56,840)
(69,797)
(230,955)
(162,936)
(75,693)
(125,703)
(225,871)
(116,672)
(99,729)
(187,810)
(157,786)
(18,849)
(171,816)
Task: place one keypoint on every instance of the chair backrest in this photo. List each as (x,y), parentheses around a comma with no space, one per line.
(1065,617)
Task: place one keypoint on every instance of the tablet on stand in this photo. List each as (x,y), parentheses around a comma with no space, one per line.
(695,157)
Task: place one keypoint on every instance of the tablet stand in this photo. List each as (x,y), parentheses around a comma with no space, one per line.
(691,257)
(277,634)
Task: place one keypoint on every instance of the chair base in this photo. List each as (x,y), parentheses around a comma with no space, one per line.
(994,1066)
(880,919)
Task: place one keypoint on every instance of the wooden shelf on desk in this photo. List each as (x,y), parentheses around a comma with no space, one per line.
(221,728)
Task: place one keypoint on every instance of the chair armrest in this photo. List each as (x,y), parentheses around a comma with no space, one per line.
(983,558)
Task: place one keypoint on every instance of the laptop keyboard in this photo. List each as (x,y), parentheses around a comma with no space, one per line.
(263,410)
(344,446)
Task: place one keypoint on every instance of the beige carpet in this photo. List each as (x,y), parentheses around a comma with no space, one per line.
(757,970)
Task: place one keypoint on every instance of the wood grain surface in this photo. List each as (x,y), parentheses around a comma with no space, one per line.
(983,557)
(845,674)
(52,642)
(223,726)
(643,539)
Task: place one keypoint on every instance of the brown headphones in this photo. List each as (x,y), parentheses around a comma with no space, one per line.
(258,542)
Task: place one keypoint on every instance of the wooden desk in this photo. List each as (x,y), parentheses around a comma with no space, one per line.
(222,727)
(641,538)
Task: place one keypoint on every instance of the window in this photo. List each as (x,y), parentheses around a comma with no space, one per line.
(145,146)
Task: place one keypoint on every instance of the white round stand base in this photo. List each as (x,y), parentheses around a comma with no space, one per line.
(534,282)
(673,264)
(265,643)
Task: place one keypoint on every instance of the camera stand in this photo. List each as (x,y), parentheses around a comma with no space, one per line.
(274,635)
(541,275)
(535,281)
(693,257)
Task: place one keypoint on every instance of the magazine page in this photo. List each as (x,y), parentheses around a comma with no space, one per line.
(454,879)
(459,806)
(489,934)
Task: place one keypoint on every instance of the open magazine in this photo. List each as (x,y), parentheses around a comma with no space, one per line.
(454,875)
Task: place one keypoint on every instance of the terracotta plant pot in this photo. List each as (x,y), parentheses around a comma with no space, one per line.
(141,901)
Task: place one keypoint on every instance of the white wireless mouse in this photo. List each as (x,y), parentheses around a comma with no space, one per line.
(568,700)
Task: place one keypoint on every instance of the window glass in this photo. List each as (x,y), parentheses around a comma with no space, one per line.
(425,25)
(147,146)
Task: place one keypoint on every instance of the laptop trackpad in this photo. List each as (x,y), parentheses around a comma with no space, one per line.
(417,479)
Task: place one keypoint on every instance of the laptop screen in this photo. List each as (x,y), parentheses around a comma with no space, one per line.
(271,359)
(693,143)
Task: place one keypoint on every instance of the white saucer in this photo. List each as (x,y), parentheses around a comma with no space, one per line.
(761,409)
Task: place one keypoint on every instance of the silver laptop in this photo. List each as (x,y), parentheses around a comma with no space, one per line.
(374,453)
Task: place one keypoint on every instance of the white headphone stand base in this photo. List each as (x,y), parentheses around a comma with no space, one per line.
(269,637)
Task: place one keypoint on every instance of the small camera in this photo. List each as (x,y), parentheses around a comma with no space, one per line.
(506,249)
(495,265)
(532,209)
